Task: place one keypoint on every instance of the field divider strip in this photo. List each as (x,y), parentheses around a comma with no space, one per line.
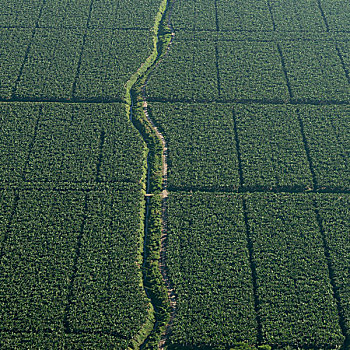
(323,15)
(32,142)
(25,59)
(331,276)
(253,270)
(271,15)
(307,150)
(346,71)
(9,223)
(283,63)
(66,326)
(74,86)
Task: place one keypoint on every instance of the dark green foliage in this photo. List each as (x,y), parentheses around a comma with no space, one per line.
(85,143)
(315,72)
(251,71)
(65,13)
(244,15)
(51,67)
(72,143)
(301,15)
(271,147)
(107,296)
(188,73)
(295,297)
(327,131)
(13,46)
(334,212)
(17,125)
(38,259)
(19,13)
(201,141)
(193,15)
(109,59)
(74,265)
(208,262)
(337,14)
(124,14)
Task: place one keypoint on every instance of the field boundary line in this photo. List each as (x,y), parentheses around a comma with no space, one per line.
(331,276)
(74,85)
(25,59)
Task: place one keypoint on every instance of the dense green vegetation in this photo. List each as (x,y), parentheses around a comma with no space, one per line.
(319,61)
(208,263)
(74,262)
(108,61)
(189,73)
(251,97)
(50,68)
(12,52)
(327,132)
(251,71)
(63,143)
(271,148)
(295,298)
(19,13)
(334,211)
(201,140)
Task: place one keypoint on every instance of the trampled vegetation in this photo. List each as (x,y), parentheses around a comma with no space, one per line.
(232,117)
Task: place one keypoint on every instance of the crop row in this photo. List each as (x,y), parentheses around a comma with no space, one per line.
(208,262)
(70,260)
(301,71)
(255,147)
(261,15)
(58,14)
(63,143)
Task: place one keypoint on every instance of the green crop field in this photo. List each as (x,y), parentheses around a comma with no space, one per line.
(175,174)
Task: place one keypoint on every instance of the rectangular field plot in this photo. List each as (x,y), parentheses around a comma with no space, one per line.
(17,125)
(208,263)
(337,14)
(301,15)
(85,143)
(124,14)
(188,73)
(38,260)
(70,263)
(244,15)
(251,71)
(65,13)
(334,212)
(107,284)
(271,147)
(19,13)
(14,43)
(315,72)
(193,15)
(201,144)
(295,298)
(51,67)
(109,60)
(327,132)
